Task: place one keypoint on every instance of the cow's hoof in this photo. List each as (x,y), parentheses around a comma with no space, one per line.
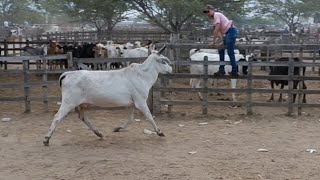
(99,134)
(46,143)
(161,134)
(234,107)
(117,129)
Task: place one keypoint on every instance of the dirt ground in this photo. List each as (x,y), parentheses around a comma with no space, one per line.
(224,148)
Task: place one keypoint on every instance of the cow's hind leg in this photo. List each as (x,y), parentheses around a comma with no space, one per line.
(130,120)
(272,94)
(63,111)
(83,115)
(280,97)
(304,100)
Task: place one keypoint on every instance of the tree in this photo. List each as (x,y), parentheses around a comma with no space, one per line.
(18,11)
(171,15)
(167,14)
(289,11)
(101,13)
(233,9)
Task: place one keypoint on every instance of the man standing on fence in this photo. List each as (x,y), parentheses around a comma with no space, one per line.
(226,33)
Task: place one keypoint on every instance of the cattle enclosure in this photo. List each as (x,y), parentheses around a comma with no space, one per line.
(204,139)
(162,98)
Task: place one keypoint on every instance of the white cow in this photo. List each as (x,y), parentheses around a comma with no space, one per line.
(211,51)
(198,69)
(124,87)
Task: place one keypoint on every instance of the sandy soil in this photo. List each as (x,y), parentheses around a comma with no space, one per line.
(224,148)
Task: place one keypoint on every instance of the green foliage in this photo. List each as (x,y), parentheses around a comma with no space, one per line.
(233,9)
(173,15)
(18,11)
(101,13)
(288,11)
(167,14)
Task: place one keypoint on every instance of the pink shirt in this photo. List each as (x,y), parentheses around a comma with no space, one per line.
(225,23)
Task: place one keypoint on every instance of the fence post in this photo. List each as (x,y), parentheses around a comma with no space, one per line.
(45,87)
(26,86)
(5,53)
(173,53)
(300,82)
(314,60)
(48,36)
(156,98)
(290,86)
(150,100)
(205,86)
(70,60)
(249,90)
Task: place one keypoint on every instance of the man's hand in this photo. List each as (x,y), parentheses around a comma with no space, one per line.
(212,45)
(218,44)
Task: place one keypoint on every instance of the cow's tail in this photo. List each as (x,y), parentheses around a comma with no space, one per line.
(64,75)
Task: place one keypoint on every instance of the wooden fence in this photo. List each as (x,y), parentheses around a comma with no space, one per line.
(156,100)
(116,36)
(313,62)
(249,90)
(27,71)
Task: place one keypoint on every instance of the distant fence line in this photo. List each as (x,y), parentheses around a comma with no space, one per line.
(156,99)
(116,36)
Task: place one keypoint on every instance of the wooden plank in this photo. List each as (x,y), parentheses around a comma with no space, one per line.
(307,105)
(205,86)
(12,98)
(11,85)
(300,83)
(245,63)
(10,72)
(101,60)
(255,77)
(187,103)
(49,98)
(156,97)
(45,90)
(252,46)
(269,104)
(29,84)
(22,58)
(194,90)
(249,89)
(290,86)
(26,88)
(224,103)
(48,71)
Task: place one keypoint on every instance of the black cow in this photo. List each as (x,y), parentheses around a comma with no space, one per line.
(283,70)
(84,50)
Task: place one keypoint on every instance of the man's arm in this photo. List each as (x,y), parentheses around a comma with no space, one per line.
(217,34)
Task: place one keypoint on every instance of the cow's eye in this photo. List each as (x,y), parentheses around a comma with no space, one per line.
(163,62)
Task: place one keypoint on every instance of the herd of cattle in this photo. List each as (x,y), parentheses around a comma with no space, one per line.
(91,50)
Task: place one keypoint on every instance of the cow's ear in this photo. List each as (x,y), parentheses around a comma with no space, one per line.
(162,49)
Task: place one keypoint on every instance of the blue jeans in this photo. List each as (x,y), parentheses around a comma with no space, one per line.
(229,42)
